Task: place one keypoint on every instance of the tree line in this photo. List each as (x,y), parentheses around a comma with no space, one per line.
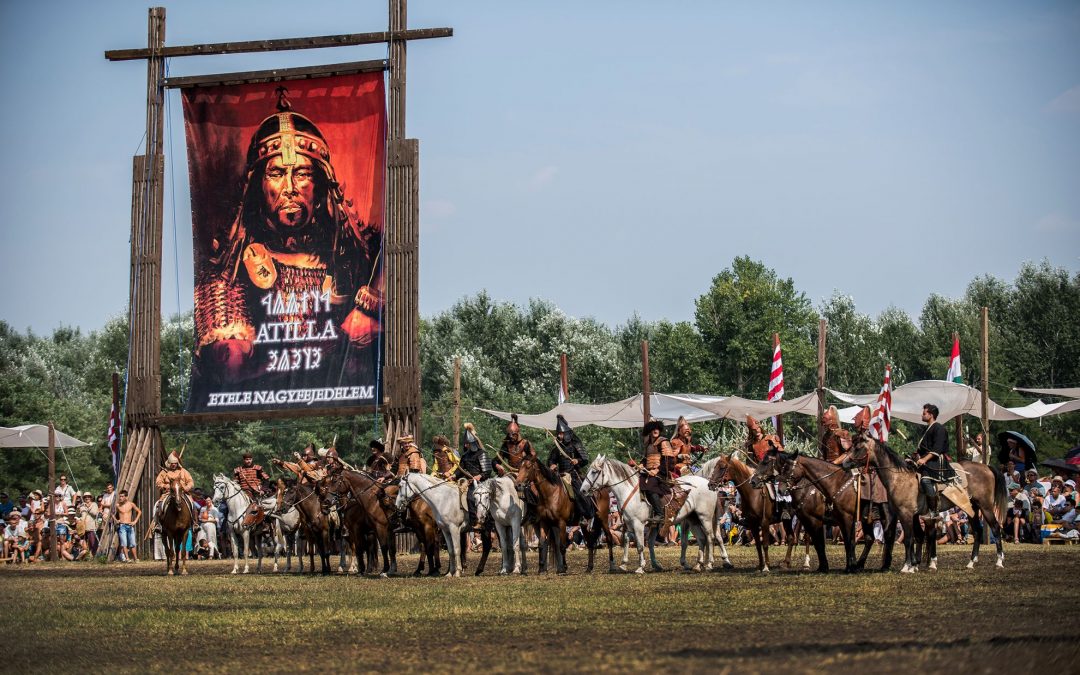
(510,356)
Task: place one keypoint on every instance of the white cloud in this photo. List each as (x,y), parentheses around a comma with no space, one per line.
(542,178)
(1057,222)
(1066,102)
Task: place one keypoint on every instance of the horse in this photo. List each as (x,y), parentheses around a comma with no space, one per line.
(698,513)
(600,525)
(554,508)
(985,486)
(176,519)
(872,494)
(444,498)
(362,512)
(498,498)
(286,533)
(241,525)
(816,485)
(757,504)
(622,480)
(315,523)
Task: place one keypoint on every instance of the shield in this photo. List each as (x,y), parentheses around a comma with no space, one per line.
(1003,454)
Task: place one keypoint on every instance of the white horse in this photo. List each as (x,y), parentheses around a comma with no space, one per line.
(285,531)
(698,513)
(498,496)
(238,504)
(445,500)
(623,482)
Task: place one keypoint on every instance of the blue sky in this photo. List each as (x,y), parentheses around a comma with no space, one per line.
(610,157)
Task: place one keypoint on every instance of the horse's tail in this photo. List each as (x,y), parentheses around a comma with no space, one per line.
(1001,495)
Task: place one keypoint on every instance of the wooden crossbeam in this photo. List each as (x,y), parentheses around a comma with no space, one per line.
(346,40)
(276,75)
(193,419)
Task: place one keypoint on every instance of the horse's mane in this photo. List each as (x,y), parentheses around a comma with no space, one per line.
(893,458)
(623,468)
(549,475)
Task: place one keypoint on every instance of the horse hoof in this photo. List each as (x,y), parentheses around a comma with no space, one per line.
(169,573)
(184,572)
(933,566)
(970,565)
(383,575)
(640,570)
(728,565)
(766,570)
(234,571)
(622,568)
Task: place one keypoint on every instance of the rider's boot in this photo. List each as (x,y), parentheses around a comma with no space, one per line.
(657,508)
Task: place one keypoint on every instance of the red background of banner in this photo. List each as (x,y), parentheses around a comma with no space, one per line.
(349,110)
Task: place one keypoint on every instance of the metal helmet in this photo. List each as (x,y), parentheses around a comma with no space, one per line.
(472,442)
(513,430)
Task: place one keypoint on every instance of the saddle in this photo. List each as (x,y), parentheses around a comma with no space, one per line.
(463,493)
(569,485)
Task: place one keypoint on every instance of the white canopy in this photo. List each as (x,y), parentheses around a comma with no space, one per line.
(629,413)
(1066,392)
(952,399)
(35,436)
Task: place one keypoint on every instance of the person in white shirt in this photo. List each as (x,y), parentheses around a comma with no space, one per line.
(65,492)
(15,528)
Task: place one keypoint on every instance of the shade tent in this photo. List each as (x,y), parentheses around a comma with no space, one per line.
(1066,392)
(952,399)
(629,413)
(36,436)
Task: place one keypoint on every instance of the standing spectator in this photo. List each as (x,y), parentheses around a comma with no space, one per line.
(65,492)
(88,513)
(1018,454)
(974,449)
(208,525)
(127,515)
(24,507)
(106,502)
(6,505)
(36,501)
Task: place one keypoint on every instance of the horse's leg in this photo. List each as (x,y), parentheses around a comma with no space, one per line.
(976,523)
(517,537)
(654,534)
(910,523)
(890,540)
(485,549)
(167,541)
(817,537)
(684,543)
(757,532)
(995,529)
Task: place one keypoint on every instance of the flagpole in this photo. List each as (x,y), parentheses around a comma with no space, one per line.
(959,418)
(780,417)
(646,393)
(822,329)
(564,379)
(985,326)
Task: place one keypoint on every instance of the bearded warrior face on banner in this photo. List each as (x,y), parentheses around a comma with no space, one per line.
(292,289)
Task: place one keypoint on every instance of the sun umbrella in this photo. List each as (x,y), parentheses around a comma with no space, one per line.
(1003,455)
(1070,462)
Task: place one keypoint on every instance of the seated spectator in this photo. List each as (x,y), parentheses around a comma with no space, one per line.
(6,505)
(1068,489)
(1068,519)
(1015,493)
(1032,485)
(1036,519)
(1016,520)
(1055,503)
(1011,474)
(16,528)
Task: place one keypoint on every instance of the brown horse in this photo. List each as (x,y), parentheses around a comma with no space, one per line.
(421,521)
(757,504)
(176,520)
(600,525)
(358,497)
(316,524)
(985,486)
(554,508)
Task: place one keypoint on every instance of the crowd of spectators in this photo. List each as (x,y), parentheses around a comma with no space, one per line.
(79,518)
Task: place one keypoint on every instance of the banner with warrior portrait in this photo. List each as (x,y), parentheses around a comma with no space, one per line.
(287,213)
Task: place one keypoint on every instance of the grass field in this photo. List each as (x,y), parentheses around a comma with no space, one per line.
(1024,618)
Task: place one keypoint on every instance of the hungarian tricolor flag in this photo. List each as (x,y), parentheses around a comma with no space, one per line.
(114,440)
(881,421)
(954,364)
(776,376)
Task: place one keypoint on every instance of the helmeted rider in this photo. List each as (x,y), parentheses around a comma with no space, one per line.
(173,470)
(514,448)
(409,458)
(569,458)
(686,452)
(251,476)
(446,459)
(475,466)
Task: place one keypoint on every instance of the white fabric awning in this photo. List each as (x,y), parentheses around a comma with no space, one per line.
(629,413)
(35,436)
(1066,392)
(952,399)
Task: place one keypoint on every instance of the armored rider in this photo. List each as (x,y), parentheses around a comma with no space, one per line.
(446,460)
(932,460)
(378,464)
(475,466)
(655,473)
(173,471)
(569,459)
(686,452)
(409,458)
(514,448)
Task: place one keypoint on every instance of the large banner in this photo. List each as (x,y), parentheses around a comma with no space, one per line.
(287,213)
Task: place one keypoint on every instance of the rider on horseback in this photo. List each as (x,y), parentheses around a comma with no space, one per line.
(514,448)
(378,465)
(933,459)
(446,460)
(250,477)
(409,458)
(173,471)
(685,451)
(656,472)
(569,458)
(475,467)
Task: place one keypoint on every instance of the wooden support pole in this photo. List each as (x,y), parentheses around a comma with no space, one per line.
(276,75)
(984,349)
(564,377)
(958,422)
(646,389)
(822,334)
(779,418)
(52,492)
(457,402)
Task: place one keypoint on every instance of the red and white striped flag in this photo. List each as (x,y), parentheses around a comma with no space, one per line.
(881,422)
(114,440)
(776,377)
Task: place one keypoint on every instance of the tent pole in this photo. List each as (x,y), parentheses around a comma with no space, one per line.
(52,492)
(984,349)
(646,392)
